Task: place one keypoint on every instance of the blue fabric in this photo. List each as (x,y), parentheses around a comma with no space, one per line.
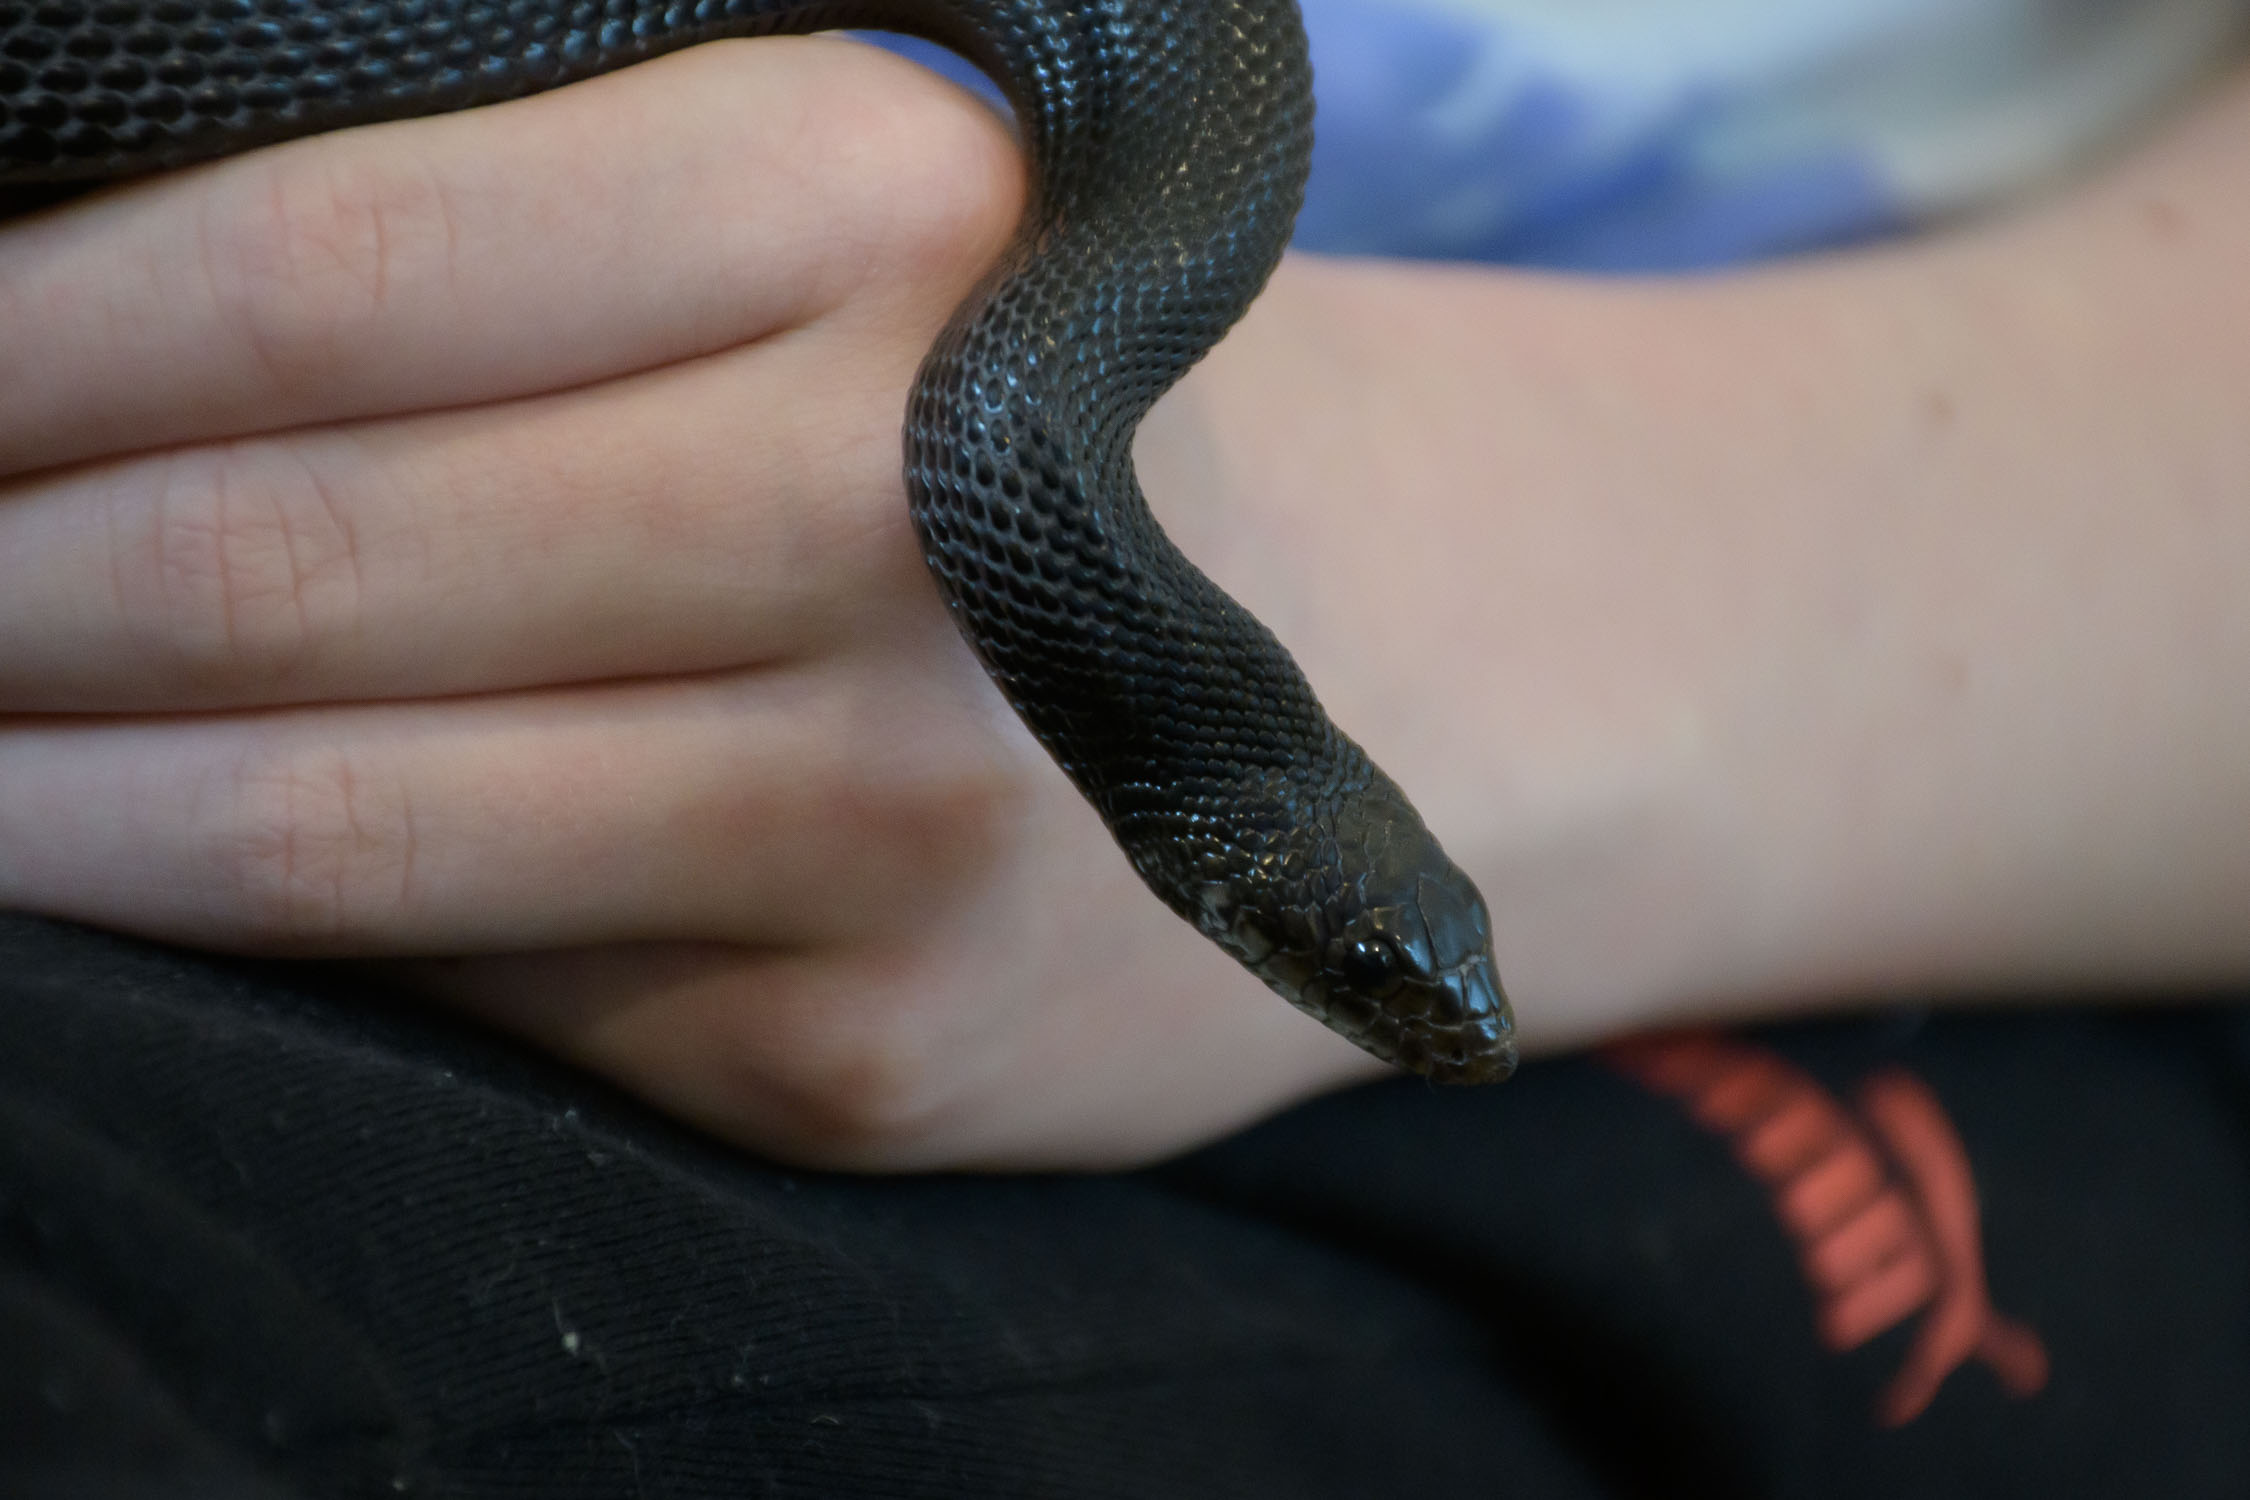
(1447,136)
(1659,135)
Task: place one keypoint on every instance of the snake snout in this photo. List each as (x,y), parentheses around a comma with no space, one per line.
(1404,964)
(1452,1026)
(1468,1036)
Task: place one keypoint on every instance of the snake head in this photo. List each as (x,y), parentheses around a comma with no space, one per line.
(1408,974)
(1397,957)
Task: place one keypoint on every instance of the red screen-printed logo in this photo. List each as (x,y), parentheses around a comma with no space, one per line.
(1880,1200)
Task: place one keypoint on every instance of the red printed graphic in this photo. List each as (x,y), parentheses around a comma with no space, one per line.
(1881,1203)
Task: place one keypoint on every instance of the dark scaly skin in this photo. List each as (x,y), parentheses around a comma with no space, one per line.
(1169,144)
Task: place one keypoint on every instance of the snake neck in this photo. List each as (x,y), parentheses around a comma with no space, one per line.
(1179,716)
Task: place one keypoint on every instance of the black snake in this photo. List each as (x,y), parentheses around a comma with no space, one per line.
(1169,141)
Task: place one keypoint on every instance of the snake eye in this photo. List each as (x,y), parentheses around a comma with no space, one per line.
(1374,967)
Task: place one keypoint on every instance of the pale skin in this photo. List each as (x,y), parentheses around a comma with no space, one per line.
(477,545)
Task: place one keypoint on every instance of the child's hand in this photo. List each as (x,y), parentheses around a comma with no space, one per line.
(485,536)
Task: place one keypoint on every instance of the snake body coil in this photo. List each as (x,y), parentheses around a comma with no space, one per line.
(1169,141)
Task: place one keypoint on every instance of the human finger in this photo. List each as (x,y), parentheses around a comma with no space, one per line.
(692,518)
(758,807)
(665,211)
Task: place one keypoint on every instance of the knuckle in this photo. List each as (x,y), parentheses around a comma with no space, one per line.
(931,801)
(868,1081)
(308,249)
(948,819)
(936,183)
(869,1109)
(314,852)
(236,567)
(958,226)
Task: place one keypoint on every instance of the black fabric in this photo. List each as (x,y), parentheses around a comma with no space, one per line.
(262,1236)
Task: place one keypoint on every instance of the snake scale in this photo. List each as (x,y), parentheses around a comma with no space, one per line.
(1169,143)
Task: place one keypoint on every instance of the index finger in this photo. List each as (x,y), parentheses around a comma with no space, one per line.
(673,209)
